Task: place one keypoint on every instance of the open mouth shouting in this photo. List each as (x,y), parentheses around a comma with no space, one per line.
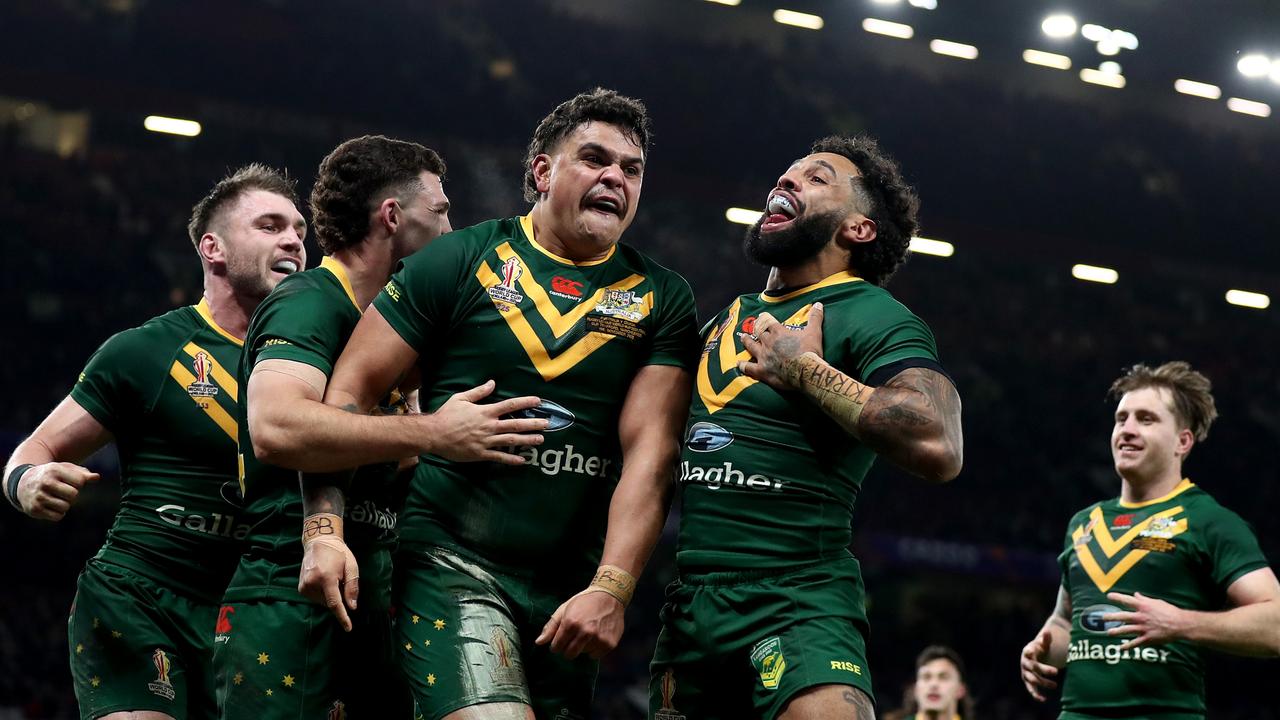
(781,209)
(606,203)
(287,265)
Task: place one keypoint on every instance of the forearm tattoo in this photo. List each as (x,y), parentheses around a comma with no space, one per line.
(841,397)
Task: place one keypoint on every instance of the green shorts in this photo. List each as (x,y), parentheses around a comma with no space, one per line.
(465,635)
(738,645)
(138,646)
(287,660)
(1131,714)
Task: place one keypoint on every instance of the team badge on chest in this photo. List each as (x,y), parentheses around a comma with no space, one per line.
(202,387)
(505,293)
(618,313)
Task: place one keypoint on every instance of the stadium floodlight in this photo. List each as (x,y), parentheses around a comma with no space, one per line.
(1124,39)
(1254,65)
(924,4)
(171,126)
(953,49)
(730,3)
(1249,107)
(1110,66)
(1094,273)
(1094,33)
(1108,47)
(1047,59)
(1059,26)
(1244,298)
(1275,72)
(884,27)
(1098,77)
(798,19)
(927,246)
(742,216)
(1199,89)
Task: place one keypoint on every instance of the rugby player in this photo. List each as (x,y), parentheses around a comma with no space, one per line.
(1151,577)
(277,654)
(512,588)
(165,392)
(768,617)
(939,692)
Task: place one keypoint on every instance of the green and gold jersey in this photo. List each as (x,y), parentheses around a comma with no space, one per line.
(1183,548)
(166,392)
(488,302)
(308,319)
(767,479)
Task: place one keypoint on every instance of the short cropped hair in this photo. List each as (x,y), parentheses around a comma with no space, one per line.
(599,105)
(968,707)
(358,173)
(254,176)
(1191,391)
(886,199)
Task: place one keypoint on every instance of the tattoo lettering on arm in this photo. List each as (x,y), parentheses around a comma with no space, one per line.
(314,527)
(841,397)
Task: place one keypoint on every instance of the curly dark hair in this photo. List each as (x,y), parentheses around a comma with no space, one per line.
(359,172)
(599,105)
(886,198)
(253,176)
(1191,391)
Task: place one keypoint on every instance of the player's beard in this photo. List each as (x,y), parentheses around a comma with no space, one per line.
(807,235)
(247,277)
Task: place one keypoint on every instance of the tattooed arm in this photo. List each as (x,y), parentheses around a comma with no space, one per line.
(913,420)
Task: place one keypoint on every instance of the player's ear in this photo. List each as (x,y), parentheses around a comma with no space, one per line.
(388,215)
(211,248)
(857,228)
(542,173)
(1186,439)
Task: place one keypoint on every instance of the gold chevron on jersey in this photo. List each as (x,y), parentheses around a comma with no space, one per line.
(560,324)
(1096,529)
(725,350)
(202,391)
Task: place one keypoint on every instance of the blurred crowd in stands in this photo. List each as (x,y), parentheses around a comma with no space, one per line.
(95,242)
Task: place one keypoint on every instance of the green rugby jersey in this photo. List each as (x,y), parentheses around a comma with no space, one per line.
(166,392)
(1183,548)
(488,302)
(308,319)
(767,479)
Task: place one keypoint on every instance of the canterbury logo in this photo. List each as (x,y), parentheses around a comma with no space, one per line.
(1113,549)
(721,348)
(560,324)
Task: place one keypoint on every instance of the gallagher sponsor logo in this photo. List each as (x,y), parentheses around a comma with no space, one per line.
(558,417)
(707,437)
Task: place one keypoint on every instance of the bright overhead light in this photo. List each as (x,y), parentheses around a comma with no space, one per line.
(886,2)
(924,4)
(1275,72)
(926,246)
(953,49)
(1199,89)
(1098,77)
(1249,107)
(1244,298)
(1107,46)
(1094,33)
(1110,66)
(1093,273)
(171,126)
(1124,39)
(742,216)
(1254,65)
(1059,26)
(731,3)
(798,19)
(884,27)
(1047,59)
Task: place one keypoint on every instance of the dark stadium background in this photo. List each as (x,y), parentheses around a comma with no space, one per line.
(1025,169)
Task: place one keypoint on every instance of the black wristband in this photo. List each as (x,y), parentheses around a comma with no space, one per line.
(11,487)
